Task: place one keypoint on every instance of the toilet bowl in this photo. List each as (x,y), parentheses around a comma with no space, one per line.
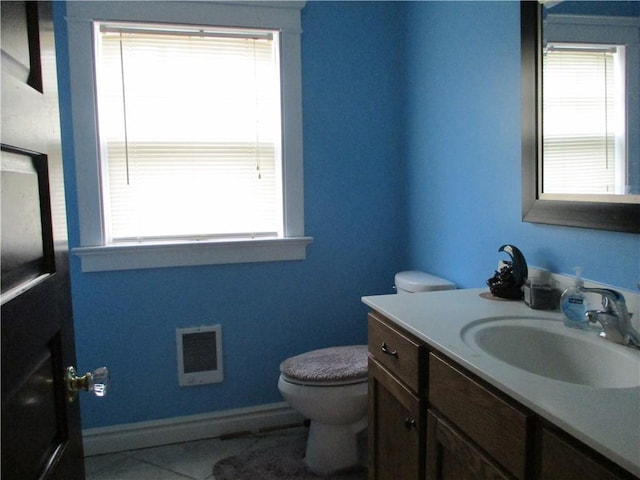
(329,387)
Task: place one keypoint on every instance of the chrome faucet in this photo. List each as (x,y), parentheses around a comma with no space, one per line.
(614,317)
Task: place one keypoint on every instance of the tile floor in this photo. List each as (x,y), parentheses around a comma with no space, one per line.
(181,461)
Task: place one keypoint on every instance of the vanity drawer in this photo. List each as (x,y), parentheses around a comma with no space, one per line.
(495,424)
(398,351)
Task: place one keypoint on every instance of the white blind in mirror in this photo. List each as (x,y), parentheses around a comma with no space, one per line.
(584,119)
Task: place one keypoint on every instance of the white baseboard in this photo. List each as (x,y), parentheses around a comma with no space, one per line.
(131,436)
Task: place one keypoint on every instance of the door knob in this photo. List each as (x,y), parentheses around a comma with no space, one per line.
(96,382)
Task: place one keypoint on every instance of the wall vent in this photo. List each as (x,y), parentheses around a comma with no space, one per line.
(199,355)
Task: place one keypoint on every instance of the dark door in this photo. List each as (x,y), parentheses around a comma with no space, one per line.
(41,436)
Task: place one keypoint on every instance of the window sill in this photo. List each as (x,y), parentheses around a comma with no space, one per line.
(158,255)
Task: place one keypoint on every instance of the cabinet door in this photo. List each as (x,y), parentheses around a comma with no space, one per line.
(396,428)
(561,460)
(452,456)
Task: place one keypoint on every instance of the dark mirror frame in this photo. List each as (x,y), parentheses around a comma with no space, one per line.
(621,217)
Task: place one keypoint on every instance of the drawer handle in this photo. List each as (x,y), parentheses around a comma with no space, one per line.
(385,349)
(409,423)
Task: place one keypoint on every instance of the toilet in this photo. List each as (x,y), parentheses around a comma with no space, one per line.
(329,387)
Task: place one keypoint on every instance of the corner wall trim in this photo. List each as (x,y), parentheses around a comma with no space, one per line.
(153,433)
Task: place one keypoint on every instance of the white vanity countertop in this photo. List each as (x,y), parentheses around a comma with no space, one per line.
(606,419)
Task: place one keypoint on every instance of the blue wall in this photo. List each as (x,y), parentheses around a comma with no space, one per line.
(268,311)
(463,154)
(412,160)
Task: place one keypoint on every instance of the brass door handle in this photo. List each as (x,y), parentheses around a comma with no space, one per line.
(96,382)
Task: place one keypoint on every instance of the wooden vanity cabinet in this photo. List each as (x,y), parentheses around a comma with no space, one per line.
(430,418)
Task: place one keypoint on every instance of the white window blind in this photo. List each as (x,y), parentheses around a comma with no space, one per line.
(190,132)
(584,119)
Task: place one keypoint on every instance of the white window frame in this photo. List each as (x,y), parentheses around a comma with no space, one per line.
(95,254)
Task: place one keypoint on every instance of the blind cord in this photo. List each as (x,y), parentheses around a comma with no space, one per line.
(124,110)
(255,92)
(606,114)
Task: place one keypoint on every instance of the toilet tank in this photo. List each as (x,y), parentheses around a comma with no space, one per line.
(413,281)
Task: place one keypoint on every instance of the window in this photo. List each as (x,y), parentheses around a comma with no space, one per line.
(189,122)
(191,152)
(584,119)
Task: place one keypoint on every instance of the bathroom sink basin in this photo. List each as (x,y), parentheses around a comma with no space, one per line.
(547,348)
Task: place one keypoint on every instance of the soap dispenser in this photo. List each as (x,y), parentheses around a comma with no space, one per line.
(573,304)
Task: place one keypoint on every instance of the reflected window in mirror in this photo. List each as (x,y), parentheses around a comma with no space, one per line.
(584,120)
(590,70)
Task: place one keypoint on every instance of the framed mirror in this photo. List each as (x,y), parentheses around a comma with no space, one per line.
(580,170)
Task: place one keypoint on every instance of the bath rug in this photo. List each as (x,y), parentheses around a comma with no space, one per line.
(282,462)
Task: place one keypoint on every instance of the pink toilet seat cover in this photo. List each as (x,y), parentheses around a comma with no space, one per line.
(328,365)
